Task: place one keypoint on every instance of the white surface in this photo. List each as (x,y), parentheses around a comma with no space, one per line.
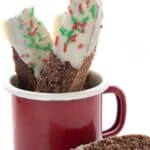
(123,56)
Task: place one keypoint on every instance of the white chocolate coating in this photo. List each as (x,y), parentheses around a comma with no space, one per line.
(86,15)
(30,39)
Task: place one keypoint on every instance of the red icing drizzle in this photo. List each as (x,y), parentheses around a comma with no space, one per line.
(80,46)
(25,55)
(75,26)
(31,23)
(87,3)
(70,11)
(80,8)
(81,25)
(31,63)
(33,32)
(56,40)
(65,47)
(73,38)
(44,60)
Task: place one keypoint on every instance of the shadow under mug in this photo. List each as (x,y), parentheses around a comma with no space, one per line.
(48,121)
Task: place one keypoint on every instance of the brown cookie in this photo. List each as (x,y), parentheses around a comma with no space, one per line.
(128,142)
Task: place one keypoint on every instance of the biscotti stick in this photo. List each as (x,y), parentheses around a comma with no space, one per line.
(31,44)
(77,40)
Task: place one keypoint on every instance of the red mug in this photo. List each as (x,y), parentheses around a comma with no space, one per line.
(48,121)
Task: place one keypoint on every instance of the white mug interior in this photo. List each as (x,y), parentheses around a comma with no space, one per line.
(95,82)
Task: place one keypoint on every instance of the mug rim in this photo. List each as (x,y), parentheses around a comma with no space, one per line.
(67,96)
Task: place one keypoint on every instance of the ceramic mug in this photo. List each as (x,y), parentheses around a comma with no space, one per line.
(48,121)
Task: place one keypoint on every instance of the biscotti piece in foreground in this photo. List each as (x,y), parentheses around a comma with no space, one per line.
(128,142)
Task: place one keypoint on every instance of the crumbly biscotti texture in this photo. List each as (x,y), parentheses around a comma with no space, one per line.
(128,142)
(62,77)
(56,77)
(51,76)
(25,75)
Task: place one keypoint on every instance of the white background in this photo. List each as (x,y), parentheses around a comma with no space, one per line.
(123,57)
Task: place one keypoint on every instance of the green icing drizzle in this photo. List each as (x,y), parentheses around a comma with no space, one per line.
(69,33)
(93,11)
(39,23)
(73,20)
(31,12)
(77,24)
(29,38)
(33,41)
(47,47)
(44,48)
(31,45)
(85,20)
(63,30)
(79,30)
(39,35)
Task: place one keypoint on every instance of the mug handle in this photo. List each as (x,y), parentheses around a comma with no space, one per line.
(121,111)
